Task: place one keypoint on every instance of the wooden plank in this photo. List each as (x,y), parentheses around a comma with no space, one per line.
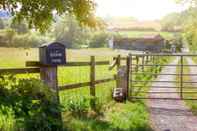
(131,77)
(128,75)
(38,64)
(160,98)
(166,54)
(84,84)
(104,80)
(149,73)
(163,65)
(114,63)
(162,92)
(92,82)
(181,78)
(118,62)
(19,70)
(74,86)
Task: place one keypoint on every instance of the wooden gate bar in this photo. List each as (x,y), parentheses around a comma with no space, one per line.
(131,78)
(128,75)
(187,92)
(149,73)
(181,78)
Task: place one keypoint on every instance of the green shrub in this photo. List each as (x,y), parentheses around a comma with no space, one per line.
(33,104)
(99,40)
(78,106)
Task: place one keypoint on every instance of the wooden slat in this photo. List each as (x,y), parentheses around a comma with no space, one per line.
(38,64)
(74,86)
(162,65)
(114,63)
(104,80)
(165,54)
(162,92)
(84,84)
(160,98)
(19,70)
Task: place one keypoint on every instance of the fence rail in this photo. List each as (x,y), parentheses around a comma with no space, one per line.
(19,70)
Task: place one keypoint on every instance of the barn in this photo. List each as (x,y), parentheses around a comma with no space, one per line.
(150,43)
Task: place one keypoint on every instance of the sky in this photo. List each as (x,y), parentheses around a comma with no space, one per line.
(140,9)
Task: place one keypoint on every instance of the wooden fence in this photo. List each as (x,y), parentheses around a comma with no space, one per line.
(35,67)
(49,75)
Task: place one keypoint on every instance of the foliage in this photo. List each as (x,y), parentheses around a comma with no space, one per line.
(40,13)
(99,40)
(78,106)
(189,21)
(2,25)
(20,28)
(68,31)
(172,22)
(10,38)
(33,104)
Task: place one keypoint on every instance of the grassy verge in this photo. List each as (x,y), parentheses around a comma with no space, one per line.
(192,104)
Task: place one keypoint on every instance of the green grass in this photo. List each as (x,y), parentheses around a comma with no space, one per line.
(166,35)
(119,117)
(133,116)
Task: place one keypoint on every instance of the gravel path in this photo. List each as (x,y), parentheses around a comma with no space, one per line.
(169,115)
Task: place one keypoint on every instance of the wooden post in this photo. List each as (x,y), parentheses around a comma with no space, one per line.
(128,75)
(137,63)
(118,62)
(92,82)
(131,79)
(122,82)
(49,76)
(181,78)
(143,62)
(147,59)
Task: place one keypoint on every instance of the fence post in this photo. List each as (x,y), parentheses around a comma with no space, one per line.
(92,82)
(137,63)
(128,75)
(131,79)
(181,78)
(143,63)
(49,76)
(118,62)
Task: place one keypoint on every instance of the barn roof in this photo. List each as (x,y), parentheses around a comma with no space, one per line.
(144,39)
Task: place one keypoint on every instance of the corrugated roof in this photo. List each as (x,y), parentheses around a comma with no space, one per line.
(145,39)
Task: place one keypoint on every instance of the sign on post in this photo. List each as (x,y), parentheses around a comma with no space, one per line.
(52,54)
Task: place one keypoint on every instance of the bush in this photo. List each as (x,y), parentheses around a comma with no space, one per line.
(34,105)
(78,106)
(99,40)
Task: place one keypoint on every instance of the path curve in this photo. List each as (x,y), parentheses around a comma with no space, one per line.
(169,115)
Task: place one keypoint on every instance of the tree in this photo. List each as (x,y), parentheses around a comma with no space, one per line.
(68,31)
(2,25)
(21,28)
(39,13)
(171,22)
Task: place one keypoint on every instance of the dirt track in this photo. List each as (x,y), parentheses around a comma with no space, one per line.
(169,115)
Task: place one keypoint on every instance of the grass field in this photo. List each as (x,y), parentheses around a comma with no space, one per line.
(115,116)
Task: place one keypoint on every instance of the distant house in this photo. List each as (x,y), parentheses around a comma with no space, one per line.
(151,43)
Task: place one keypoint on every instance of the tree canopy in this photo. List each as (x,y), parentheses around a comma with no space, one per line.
(40,13)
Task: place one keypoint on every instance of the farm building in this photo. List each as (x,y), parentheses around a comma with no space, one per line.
(151,43)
